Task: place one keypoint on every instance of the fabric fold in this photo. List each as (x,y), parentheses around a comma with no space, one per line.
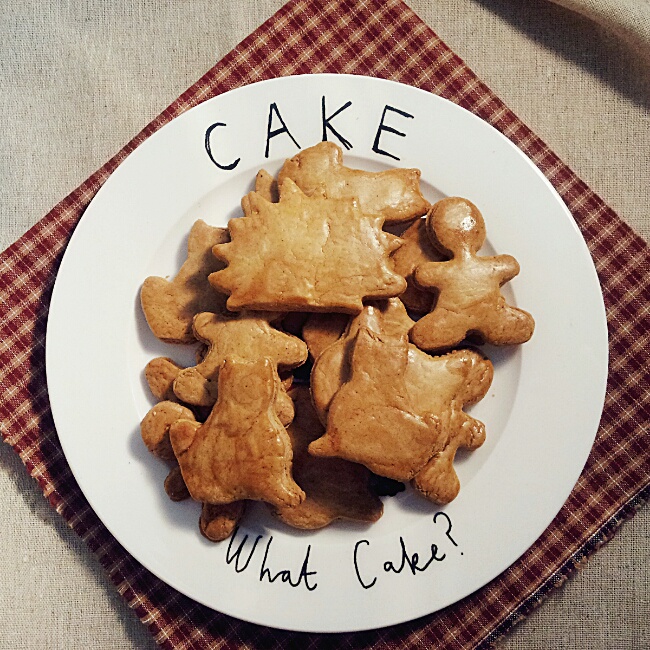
(628,19)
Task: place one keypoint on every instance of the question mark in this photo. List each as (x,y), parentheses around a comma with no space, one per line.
(448,531)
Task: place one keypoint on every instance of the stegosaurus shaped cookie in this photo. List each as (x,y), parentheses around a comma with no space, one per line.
(306,254)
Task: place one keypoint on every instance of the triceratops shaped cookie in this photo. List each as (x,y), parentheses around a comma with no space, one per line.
(242,451)
(400,413)
(248,336)
(170,305)
(335,488)
(305,254)
(394,193)
(467,287)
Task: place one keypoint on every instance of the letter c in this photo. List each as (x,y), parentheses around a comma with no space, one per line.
(208,148)
(356,565)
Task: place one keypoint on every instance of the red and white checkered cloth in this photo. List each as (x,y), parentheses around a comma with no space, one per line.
(381,38)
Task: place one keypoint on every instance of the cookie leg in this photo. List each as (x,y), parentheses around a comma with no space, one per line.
(511,326)
(217,522)
(440,329)
(438,480)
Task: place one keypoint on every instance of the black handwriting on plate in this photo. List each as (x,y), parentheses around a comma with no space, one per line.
(327,123)
(277,126)
(273,110)
(406,560)
(241,553)
(208,148)
(386,127)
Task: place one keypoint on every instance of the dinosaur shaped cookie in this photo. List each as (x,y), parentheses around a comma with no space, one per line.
(393,193)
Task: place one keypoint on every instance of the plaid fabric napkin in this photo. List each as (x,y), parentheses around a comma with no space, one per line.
(380,38)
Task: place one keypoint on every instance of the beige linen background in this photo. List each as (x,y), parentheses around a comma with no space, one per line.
(80,79)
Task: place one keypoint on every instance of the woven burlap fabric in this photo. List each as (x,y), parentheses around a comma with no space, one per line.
(630,19)
(578,196)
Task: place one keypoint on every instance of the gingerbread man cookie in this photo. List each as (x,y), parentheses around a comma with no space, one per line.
(467,287)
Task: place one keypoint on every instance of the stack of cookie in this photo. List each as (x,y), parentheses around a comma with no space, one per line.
(330,351)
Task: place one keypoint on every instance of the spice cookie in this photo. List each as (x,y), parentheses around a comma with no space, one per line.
(248,336)
(416,250)
(170,305)
(467,286)
(335,488)
(217,522)
(400,413)
(388,319)
(321,330)
(394,193)
(305,254)
(242,451)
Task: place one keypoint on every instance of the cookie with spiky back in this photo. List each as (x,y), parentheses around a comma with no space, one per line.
(305,254)
(170,305)
(393,193)
(242,451)
(247,336)
(335,488)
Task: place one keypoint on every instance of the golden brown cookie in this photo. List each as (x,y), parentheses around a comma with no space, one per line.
(217,522)
(400,413)
(372,420)
(242,451)
(467,287)
(415,251)
(444,385)
(386,318)
(335,488)
(155,425)
(305,254)
(170,306)
(248,336)
(321,330)
(393,193)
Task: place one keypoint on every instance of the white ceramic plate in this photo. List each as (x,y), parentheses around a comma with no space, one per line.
(541,412)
